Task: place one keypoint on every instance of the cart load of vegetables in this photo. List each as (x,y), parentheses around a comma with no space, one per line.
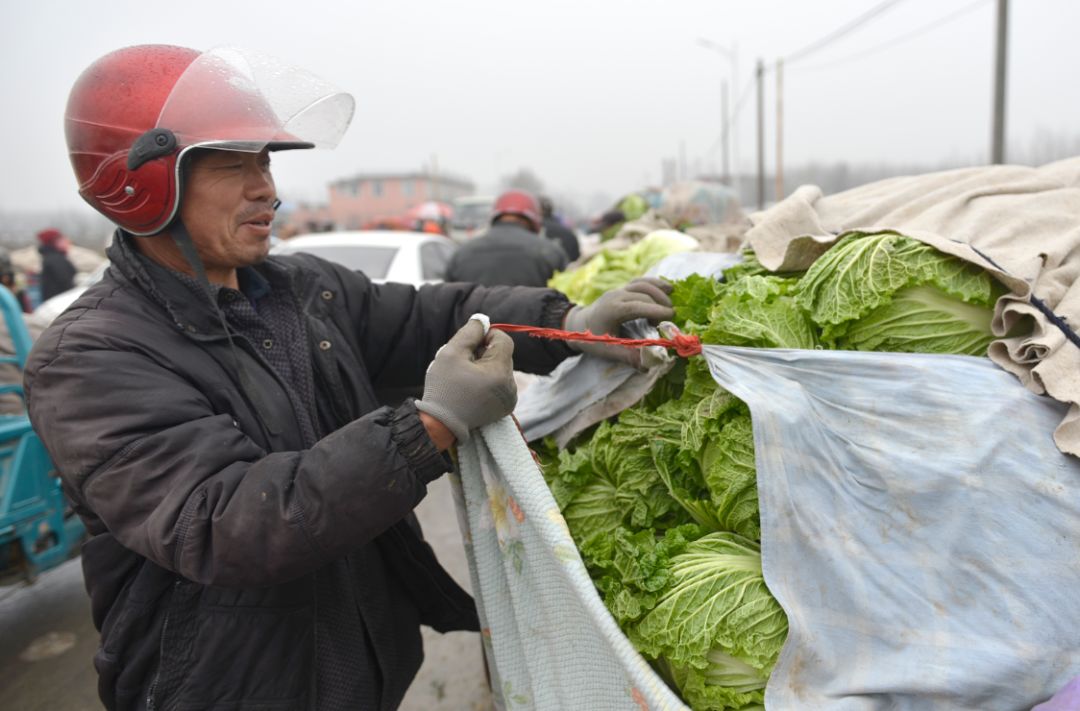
(662,501)
(613,268)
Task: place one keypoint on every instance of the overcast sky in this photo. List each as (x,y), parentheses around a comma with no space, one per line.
(592,95)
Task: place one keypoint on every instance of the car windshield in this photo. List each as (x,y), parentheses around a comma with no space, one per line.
(372,261)
(475,214)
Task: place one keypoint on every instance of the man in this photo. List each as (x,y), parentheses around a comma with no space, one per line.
(57,271)
(511,252)
(557,231)
(214,413)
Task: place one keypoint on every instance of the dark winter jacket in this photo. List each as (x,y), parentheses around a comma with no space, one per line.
(212,528)
(563,236)
(57,272)
(506,254)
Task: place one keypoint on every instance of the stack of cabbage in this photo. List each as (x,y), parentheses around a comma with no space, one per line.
(612,268)
(663,501)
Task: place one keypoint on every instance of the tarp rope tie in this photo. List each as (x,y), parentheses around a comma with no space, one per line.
(684,345)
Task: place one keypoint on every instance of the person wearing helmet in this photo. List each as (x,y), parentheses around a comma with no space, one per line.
(557,231)
(432,226)
(511,252)
(216,415)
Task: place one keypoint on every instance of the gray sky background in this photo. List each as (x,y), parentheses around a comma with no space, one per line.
(591,95)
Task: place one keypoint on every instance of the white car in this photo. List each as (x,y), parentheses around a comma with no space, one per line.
(409,257)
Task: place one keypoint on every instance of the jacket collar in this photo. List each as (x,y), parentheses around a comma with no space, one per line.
(509,228)
(190,310)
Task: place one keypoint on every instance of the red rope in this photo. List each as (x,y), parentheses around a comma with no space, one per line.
(684,345)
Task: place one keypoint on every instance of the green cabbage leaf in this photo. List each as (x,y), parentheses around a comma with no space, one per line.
(717,599)
(864,283)
(612,269)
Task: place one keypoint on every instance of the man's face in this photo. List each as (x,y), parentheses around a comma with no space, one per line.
(227,207)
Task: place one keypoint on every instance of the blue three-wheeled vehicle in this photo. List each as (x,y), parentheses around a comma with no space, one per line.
(37,528)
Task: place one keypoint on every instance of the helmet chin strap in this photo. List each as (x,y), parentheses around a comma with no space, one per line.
(182,238)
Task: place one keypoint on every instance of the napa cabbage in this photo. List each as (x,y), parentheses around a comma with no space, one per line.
(663,499)
(889,292)
(611,269)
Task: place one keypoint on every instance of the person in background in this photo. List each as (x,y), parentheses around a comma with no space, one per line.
(215,414)
(433,226)
(629,208)
(10,281)
(608,224)
(57,271)
(511,252)
(557,231)
(11,403)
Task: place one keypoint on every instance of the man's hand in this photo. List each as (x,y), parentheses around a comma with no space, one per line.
(440,434)
(471,381)
(645,297)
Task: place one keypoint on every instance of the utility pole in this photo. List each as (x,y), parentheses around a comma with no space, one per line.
(761,134)
(736,82)
(779,130)
(724,134)
(682,160)
(732,55)
(997,146)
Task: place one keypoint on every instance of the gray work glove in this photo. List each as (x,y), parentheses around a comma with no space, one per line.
(464,390)
(645,297)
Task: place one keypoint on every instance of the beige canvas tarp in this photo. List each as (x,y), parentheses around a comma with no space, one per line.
(1021,224)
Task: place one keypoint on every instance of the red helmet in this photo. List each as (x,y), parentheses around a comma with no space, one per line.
(134,113)
(50,236)
(518,202)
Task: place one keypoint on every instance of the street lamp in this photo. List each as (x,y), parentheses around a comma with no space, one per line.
(732,55)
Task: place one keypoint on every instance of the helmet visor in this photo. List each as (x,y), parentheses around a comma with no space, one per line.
(236,99)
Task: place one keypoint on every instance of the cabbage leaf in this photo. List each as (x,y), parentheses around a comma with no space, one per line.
(861,275)
(717,600)
(921,319)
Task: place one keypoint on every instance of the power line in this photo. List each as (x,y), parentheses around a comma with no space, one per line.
(836,34)
(823,42)
(955,14)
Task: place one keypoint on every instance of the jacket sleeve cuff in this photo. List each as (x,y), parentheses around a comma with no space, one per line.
(553,315)
(412,440)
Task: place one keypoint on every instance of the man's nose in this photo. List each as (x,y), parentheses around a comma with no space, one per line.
(259,184)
